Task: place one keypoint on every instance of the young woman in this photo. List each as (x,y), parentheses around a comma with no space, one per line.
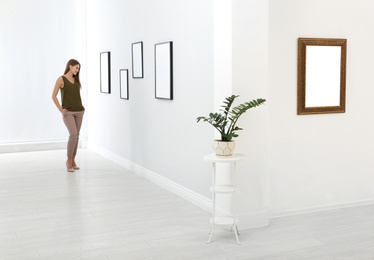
(71,108)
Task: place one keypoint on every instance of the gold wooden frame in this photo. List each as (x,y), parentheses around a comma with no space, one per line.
(301,75)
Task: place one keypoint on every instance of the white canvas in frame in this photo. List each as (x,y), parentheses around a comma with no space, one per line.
(105,72)
(124,83)
(164,70)
(137,60)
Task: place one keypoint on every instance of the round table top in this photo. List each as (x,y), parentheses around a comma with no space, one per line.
(216,158)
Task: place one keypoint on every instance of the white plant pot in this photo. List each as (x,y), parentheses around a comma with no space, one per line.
(224,148)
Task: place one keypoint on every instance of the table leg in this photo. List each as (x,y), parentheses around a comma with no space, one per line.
(237,235)
(210,234)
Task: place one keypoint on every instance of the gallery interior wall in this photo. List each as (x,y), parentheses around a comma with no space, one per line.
(320,161)
(159,136)
(301,163)
(37,38)
(250,62)
(295,163)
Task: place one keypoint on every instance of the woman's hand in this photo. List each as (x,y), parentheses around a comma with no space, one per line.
(63,110)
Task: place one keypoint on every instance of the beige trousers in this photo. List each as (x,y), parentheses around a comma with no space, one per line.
(73,121)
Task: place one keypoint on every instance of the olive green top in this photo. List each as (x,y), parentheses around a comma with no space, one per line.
(70,96)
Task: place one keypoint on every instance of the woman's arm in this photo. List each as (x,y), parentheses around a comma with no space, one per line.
(59,84)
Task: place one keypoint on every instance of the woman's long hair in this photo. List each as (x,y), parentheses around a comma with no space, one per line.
(73,62)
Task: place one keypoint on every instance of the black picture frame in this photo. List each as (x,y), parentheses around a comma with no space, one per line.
(124,83)
(164,70)
(137,60)
(105,72)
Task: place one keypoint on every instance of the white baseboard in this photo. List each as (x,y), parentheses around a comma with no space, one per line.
(246,221)
(42,145)
(32,146)
(285,213)
(175,188)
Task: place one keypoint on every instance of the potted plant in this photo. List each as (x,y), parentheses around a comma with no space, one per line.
(225,122)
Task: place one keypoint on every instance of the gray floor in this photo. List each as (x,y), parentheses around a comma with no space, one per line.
(103,212)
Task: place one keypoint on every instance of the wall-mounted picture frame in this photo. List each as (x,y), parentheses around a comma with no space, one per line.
(105,72)
(164,70)
(137,60)
(321,76)
(124,83)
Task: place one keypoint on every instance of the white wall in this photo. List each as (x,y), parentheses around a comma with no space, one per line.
(295,163)
(320,161)
(250,73)
(37,38)
(160,137)
(222,46)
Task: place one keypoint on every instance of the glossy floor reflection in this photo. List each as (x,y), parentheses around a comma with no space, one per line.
(104,212)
